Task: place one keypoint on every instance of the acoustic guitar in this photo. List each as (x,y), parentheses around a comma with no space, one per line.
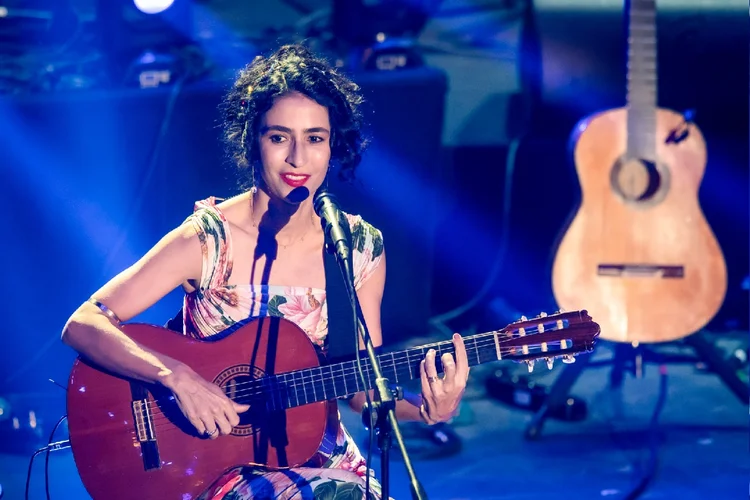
(639,251)
(130,439)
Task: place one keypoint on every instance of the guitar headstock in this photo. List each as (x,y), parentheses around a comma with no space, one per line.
(548,336)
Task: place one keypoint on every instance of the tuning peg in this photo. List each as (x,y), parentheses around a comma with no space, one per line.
(524,318)
(561,310)
(542,314)
(531,365)
(550,363)
(568,359)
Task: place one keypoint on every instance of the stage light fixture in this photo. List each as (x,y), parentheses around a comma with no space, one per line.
(366,22)
(128,27)
(153,6)
(132,31)
(381,34)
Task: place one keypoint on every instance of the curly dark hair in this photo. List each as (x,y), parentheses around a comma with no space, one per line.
(292,68)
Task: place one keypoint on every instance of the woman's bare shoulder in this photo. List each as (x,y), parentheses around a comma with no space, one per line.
(235,209)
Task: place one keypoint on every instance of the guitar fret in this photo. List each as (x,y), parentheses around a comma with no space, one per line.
(304,386)
(352,372)
(324,380)
(312,380)
(333,380)
(296,389)
(368,379)
(345,375)
(341,388)
(315,380)
(497,346)
(285,385)
(342,367)
(292,388)
(322,383)
(395,372)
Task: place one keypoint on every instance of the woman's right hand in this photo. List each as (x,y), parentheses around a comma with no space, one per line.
(203,403)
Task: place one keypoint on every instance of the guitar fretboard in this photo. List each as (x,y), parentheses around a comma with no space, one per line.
(642,79)
(288,390)
(310,385)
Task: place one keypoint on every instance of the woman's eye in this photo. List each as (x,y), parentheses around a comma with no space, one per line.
(316,138)
(276,139)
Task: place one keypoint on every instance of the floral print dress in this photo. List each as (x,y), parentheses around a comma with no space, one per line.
(216,306)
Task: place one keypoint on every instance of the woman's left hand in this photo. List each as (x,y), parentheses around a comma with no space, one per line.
(441,396)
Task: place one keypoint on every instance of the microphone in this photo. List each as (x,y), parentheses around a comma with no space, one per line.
(335,225)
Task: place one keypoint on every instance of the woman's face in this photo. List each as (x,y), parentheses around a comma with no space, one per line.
(295,147)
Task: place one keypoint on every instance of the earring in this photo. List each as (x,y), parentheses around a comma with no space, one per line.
(253,187)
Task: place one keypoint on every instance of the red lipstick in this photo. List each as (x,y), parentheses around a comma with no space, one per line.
(295,180)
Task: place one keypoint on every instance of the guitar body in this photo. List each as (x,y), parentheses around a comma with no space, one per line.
(130,439)
(126,445)
(639,252)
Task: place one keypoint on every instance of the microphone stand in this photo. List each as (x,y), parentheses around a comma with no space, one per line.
(382,416)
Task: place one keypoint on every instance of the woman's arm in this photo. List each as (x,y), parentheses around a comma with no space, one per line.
(175,259)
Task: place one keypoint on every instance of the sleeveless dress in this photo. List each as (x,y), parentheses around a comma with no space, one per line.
(216,306)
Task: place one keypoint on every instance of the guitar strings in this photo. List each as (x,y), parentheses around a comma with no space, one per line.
(293,382)
(163,423)
(250,393)
(160,418)
(389,360)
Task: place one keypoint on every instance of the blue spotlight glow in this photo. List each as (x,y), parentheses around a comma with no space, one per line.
(153,6)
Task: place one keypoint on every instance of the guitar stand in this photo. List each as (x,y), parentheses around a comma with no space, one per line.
(705,351)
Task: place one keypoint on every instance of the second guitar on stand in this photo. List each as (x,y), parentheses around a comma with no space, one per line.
(639,252)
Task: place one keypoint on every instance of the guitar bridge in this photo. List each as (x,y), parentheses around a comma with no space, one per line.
(143,418)
(641,270)
(144,421)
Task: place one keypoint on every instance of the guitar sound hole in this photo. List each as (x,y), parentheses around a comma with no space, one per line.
(245,388)
(639,181)
(241,389)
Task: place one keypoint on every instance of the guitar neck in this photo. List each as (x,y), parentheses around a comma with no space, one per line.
(642,78)
(310,385)
(337,380)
